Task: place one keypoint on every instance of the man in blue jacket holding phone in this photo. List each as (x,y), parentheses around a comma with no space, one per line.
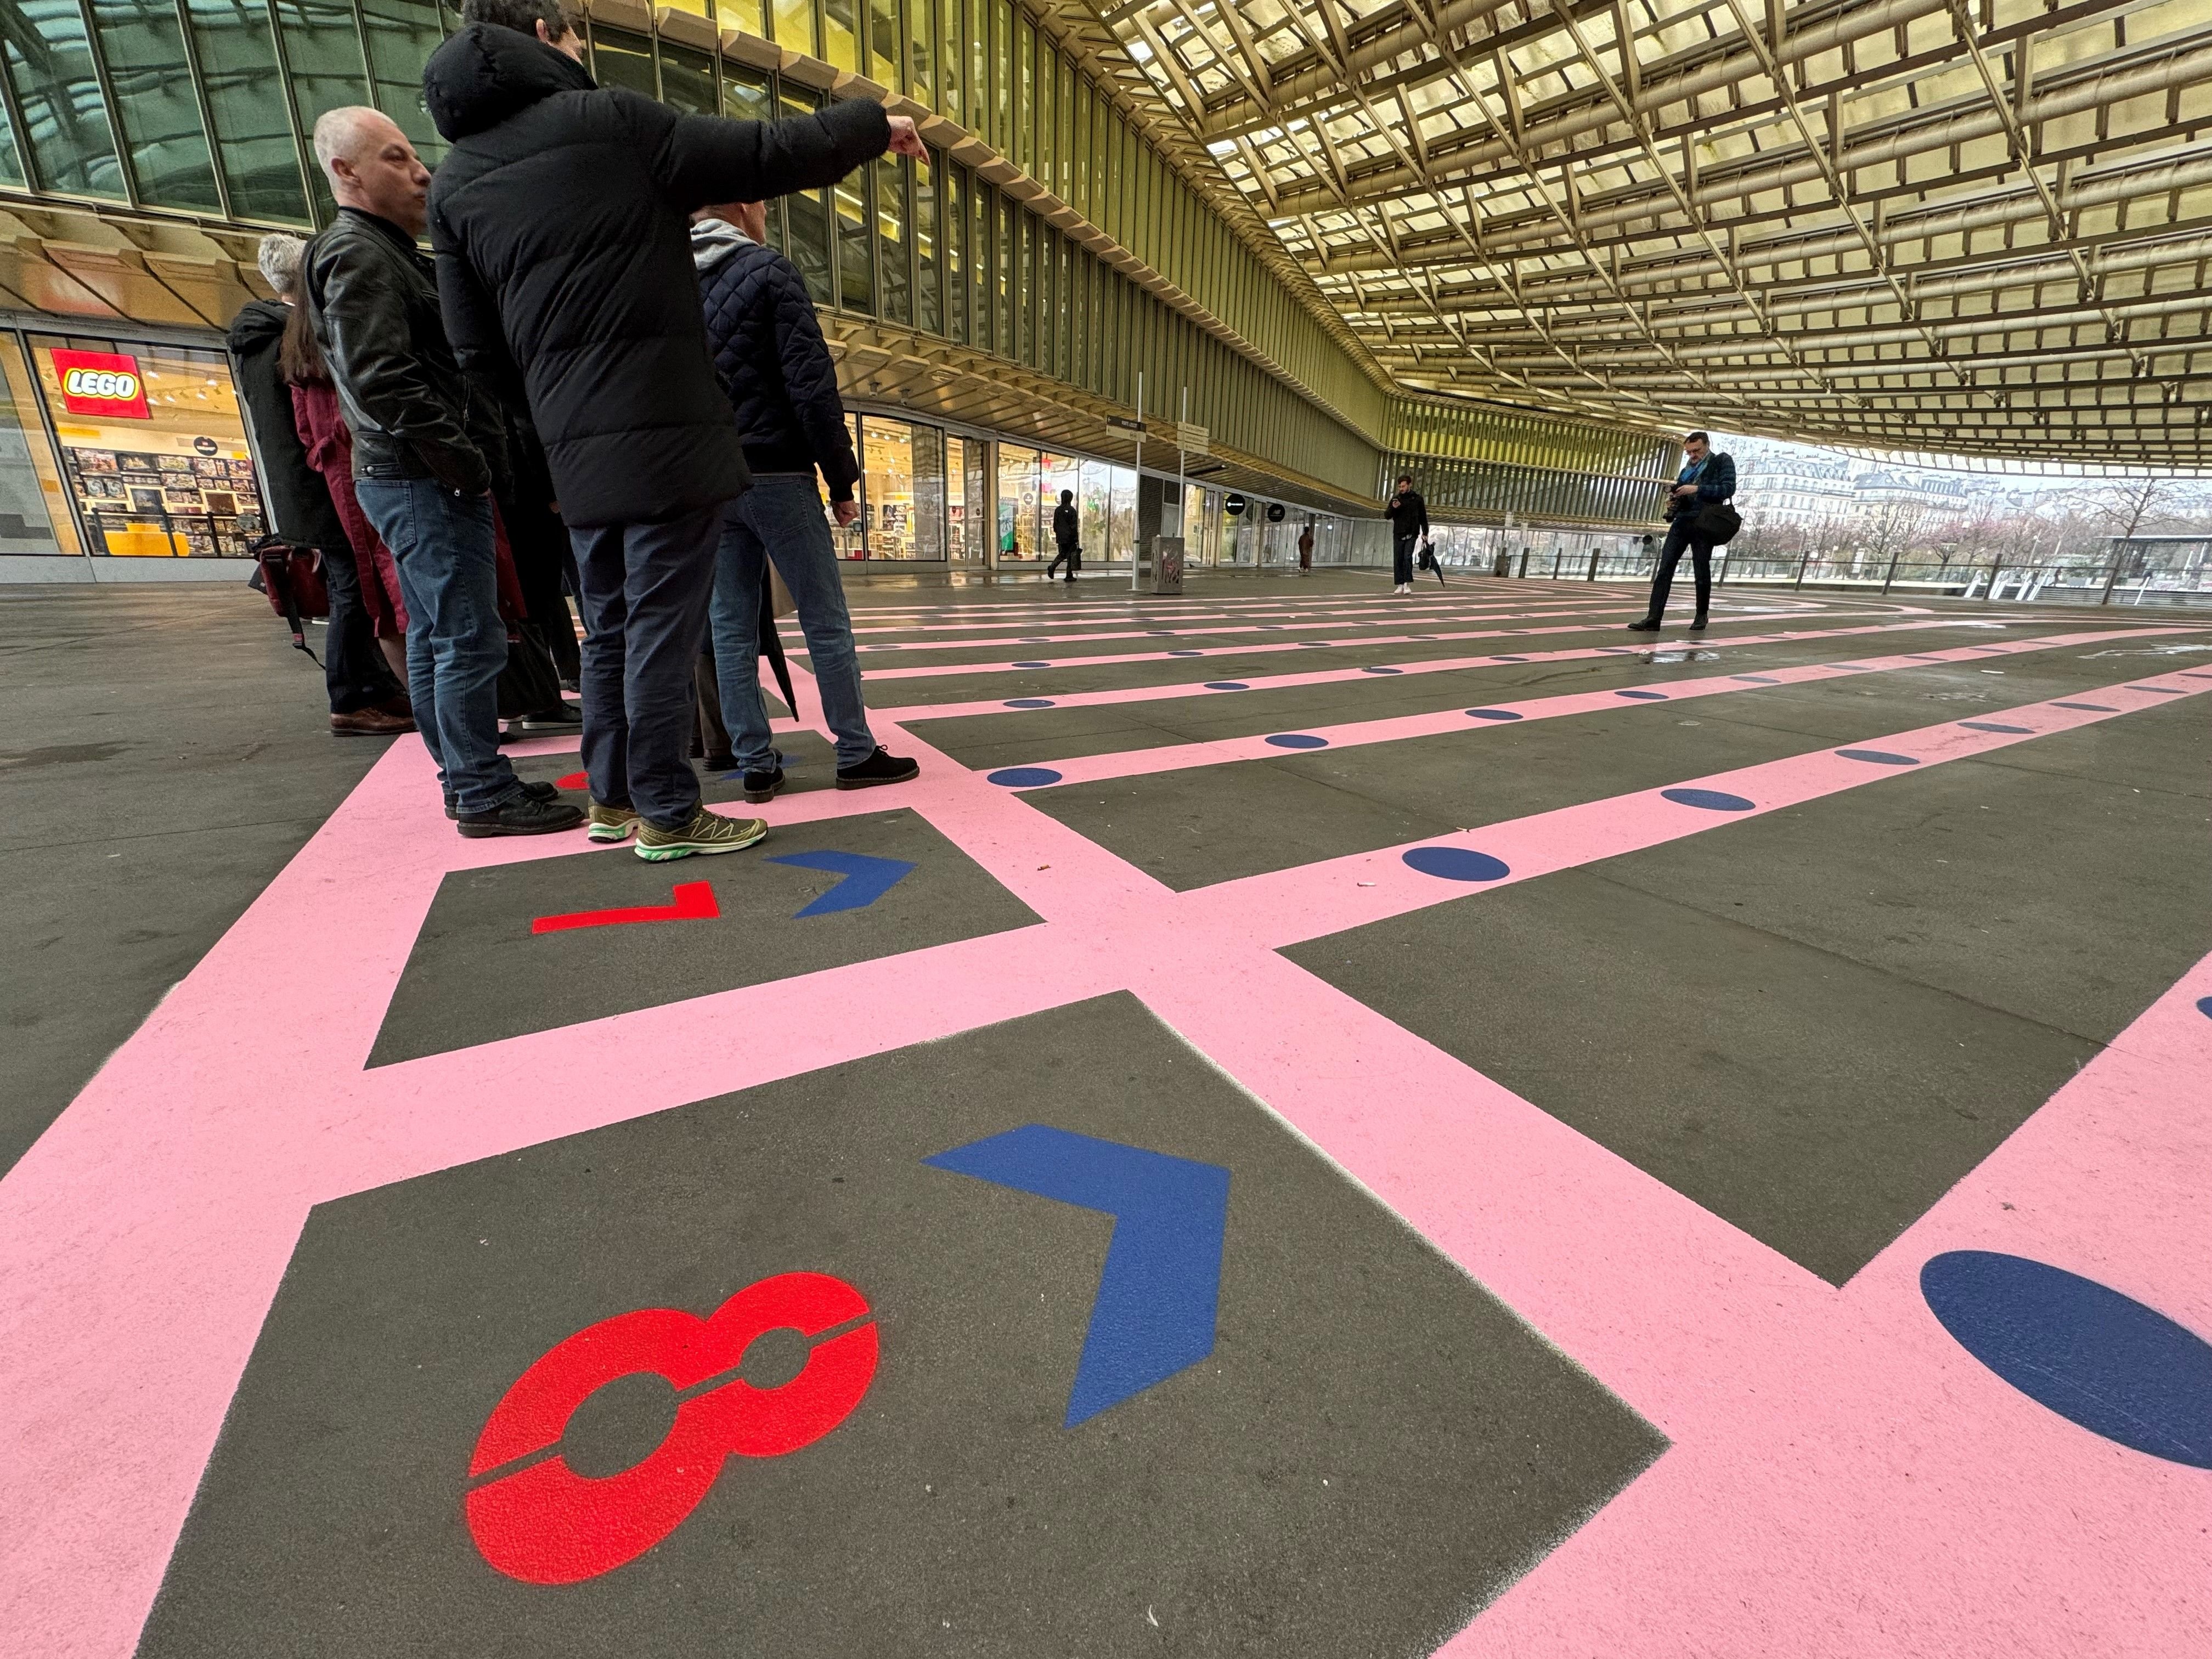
(1706,480)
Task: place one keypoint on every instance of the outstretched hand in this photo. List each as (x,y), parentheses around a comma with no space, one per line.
(906,140)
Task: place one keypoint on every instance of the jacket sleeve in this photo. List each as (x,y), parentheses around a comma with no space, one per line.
(1421,507)
(364,313)
(472,317)
(703,159)
(1718,481)
(811,380)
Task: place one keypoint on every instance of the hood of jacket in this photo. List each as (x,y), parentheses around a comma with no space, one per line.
(713,240)
(258,328)
(486,73)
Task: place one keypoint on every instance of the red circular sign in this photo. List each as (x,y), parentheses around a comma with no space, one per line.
(546,1524)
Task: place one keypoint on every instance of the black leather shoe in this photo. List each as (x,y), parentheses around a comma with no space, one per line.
(878,769)
(531,792)
(527,815)
(763,786)
(1698,623)
(1645,625)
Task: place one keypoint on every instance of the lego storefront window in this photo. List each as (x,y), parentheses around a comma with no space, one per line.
(154,454)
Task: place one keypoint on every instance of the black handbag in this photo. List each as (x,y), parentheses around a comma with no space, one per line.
(529,684)
(1718,522)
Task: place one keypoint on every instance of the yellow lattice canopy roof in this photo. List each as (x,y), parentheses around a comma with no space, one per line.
(1970,226)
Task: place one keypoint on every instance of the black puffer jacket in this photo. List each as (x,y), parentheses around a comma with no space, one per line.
(558,218)
(771,359)
(298,500)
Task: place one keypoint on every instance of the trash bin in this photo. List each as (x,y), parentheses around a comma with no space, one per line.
(1167,564)
(1504,566)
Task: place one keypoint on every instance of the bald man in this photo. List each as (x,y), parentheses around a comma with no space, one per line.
(420,467)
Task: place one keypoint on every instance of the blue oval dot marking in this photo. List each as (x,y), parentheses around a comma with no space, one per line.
(1757,679)
(1297,740)
(1032,665)
(2162,690)
(1317,642)
(2101,1360)
(1186,653)
(1877,758)
(2092,708)
(1022,777)
(1713,800)
(1996,725)
(1226,686)
(1656,696)
(2204,1006)
(1509,659)
(1381,671)
(1457,864)
(1029,702)
(1492,715)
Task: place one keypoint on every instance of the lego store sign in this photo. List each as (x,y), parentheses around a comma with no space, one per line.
(101,383)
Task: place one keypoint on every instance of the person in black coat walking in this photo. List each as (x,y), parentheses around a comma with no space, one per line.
(1066,536)
(1409,521)
(366,701)
(1707,479)
(560,219)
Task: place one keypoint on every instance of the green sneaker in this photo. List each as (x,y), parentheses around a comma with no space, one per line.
(708,832)
(612,822)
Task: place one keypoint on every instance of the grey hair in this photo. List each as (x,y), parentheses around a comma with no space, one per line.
(338,132)
(279,259)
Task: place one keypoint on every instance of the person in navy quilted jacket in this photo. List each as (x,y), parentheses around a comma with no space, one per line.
(774,367)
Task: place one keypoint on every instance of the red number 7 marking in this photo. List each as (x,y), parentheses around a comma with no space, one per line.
(695,901)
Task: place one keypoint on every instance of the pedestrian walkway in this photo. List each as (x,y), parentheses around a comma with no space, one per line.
(1324,1123)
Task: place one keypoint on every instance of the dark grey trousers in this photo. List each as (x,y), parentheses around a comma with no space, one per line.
(644,589)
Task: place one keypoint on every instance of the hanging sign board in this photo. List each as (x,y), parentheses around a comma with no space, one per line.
(1234,506)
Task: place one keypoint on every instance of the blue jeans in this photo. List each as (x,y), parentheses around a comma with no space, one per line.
(781,518)
(644,594)
(442,545)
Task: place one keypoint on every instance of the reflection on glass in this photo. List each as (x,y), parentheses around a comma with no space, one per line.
(49,62)
(928,298)
(245,95)
(855,243)
(795,26)
(920,49)
(1094,494)
(807,221)
(744,94)
(620,58)
(401,35)
(687,79)
(1121,530)
(841,33)
(884,43)
(851,540)
(33,510)
(1024,333)
(144,48)
(1002,272)
(1002,75)
(951,59)
(1018,484)
(963,532)
(896,289)
(327,70)
(887,487)
(955,252)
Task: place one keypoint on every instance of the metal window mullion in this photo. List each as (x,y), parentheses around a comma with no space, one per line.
(206,110)
(125,164)
(17,126)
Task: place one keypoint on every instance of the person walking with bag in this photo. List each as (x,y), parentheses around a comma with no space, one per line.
(1698,518)
(1066,536)
(560,219)
(1409,522)
(774,367)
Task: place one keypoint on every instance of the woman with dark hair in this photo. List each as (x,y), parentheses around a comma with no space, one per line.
(330,452)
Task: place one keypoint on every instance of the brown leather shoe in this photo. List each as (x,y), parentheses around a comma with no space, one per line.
(369,723)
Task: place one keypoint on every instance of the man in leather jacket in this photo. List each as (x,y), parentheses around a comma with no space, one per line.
(421,462)
(1706,479)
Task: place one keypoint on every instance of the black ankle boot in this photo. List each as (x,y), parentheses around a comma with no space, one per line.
(1645,625)
(1697,622)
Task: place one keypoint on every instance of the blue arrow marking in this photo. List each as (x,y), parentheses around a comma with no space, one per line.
(1161,1287)
(866,879)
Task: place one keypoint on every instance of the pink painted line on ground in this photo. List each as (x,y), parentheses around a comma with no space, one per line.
(1286,907)
(1264,648)
(1186,615)
(1177,757)
(920,712)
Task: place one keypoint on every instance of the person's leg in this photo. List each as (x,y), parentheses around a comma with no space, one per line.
(1701,567)
(389,505)
(1663,580)
(1401,560)
(601,593)
(789,513)
(537,540)
(353,670)
(740,563)
(707,700)
(671,571)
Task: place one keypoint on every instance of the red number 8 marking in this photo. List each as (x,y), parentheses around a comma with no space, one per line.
(549,1525)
